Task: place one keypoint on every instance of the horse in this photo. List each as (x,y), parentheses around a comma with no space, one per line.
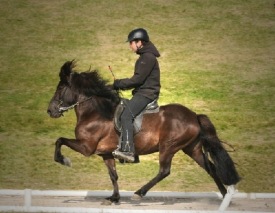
(174,128)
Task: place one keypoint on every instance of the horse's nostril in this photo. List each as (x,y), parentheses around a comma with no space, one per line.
(49,111)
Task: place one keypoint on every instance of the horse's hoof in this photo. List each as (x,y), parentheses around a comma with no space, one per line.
(106,202)
(136,197)
(67,162)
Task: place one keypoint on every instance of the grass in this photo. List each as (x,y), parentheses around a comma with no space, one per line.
(217,58)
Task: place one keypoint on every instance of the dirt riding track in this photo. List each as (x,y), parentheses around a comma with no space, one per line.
(79,201)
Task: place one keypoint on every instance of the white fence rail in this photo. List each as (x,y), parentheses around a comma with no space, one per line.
(28,194)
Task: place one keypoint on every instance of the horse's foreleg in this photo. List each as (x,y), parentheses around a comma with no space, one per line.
(58,157)
(74,145)
(164,171)
(110,163)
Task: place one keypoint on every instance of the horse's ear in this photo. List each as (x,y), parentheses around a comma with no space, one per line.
(72,64)
(66,70)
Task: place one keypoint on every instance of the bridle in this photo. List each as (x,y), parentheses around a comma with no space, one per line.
(62,109)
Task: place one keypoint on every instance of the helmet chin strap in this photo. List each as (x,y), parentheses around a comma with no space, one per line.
(138,47)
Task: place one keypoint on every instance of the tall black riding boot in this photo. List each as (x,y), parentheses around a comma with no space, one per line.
(125,151)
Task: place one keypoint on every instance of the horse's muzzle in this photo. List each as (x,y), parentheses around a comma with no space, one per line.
(55,114)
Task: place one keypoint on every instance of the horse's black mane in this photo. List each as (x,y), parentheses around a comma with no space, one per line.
(90,84)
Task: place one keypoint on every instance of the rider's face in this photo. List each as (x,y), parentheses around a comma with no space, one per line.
(135,45)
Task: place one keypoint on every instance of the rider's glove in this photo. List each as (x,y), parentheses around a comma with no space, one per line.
(116,84)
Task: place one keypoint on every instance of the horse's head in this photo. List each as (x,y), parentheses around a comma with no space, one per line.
(63,96)
(82,88)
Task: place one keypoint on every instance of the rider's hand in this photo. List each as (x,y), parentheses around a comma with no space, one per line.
(116,84)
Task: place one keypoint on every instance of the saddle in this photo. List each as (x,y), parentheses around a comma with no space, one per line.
(152,107)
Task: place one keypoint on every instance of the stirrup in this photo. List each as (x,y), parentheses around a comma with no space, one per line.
(122,161)
(127,156)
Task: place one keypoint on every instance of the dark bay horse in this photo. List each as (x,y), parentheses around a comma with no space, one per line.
(174,128)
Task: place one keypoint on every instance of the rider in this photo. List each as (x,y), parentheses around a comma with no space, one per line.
(145,83)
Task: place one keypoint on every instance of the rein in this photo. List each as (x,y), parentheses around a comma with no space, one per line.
(64,109)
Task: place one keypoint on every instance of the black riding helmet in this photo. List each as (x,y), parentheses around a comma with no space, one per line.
(138,34)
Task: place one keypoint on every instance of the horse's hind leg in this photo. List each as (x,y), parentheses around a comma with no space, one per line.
(208,166)
(164,171)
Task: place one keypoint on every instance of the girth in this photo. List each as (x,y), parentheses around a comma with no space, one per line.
(152,107)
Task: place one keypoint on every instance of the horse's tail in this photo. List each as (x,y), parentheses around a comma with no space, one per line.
(224,165)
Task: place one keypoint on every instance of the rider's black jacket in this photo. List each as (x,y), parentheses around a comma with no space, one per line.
(146,78)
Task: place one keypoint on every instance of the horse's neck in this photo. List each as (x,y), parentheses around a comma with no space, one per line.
(83,108)
(94,109)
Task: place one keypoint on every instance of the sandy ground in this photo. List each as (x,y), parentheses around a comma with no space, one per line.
(147,203)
